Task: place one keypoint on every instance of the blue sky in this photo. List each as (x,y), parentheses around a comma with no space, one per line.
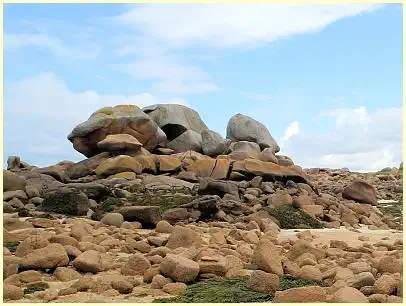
(326,80)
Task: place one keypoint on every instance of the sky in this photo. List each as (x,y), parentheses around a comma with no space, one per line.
(326,80)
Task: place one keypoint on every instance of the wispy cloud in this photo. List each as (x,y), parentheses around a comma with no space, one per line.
(51,112)
(361,140)
(53,44)
(225,26)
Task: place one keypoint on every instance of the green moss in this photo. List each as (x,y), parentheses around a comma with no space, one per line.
(224,290)
(32,289)
(11,246)
(287,282)
(385,170)
(232,290)
(290,217)
(165,201)
(108,205)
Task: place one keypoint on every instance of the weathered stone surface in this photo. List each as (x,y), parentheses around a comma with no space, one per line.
(175,119)
(269,171)
(261,281)
(12,181)
(361,191)
(241,127)
(120,119)
(268,155)
(119,142)
(11,292)
(65,274)
(89,261)
(121,163)
(217,187)
(245,146)
(284,160)
(115,219)
(51,256)
(175,288)
(175,215)
(213,144)
(214,168)
(386,284)
(29,244)
(137,264)
(266,256)
(167,163)
(348,295)
(66,201)
(183,237)
(361,280)
(179,268)
(147,215)
(301,295)
(164,227)
(189,140)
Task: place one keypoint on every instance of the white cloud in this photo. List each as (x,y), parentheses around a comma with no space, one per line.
(243,25)
(55,45)
(292,130)
(40,112)
(169,74)
(361,141)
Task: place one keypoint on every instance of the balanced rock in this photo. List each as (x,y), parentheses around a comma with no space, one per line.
(241,127)
(120,119)
(119,142)
(175,119)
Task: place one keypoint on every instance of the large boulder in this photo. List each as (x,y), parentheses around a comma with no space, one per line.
(213,144)
(120,119)
(214,168)
(51,256)
(179,268)
(360,191)
(66,201)
(12,181)
(121,163)
(175,119)
(147,215)
(189,140)
(241,127)
(245,146)
(269,170)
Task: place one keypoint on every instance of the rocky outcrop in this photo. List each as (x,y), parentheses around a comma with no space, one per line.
(120,119)
(244,128)
(175,119)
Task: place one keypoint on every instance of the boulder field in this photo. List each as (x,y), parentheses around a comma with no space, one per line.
(162,207)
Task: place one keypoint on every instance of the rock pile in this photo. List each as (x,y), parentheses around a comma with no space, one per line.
(161,202)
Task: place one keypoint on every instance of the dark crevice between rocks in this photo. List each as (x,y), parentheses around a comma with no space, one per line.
(172,131)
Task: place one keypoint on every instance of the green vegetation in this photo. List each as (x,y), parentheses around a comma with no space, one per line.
(290,217)
(108,205)
(288,282)
(11,246)
(232,290)
(165,200)
(385,170)
(33,289)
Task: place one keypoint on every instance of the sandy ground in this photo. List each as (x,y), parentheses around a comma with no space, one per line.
(343,234)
